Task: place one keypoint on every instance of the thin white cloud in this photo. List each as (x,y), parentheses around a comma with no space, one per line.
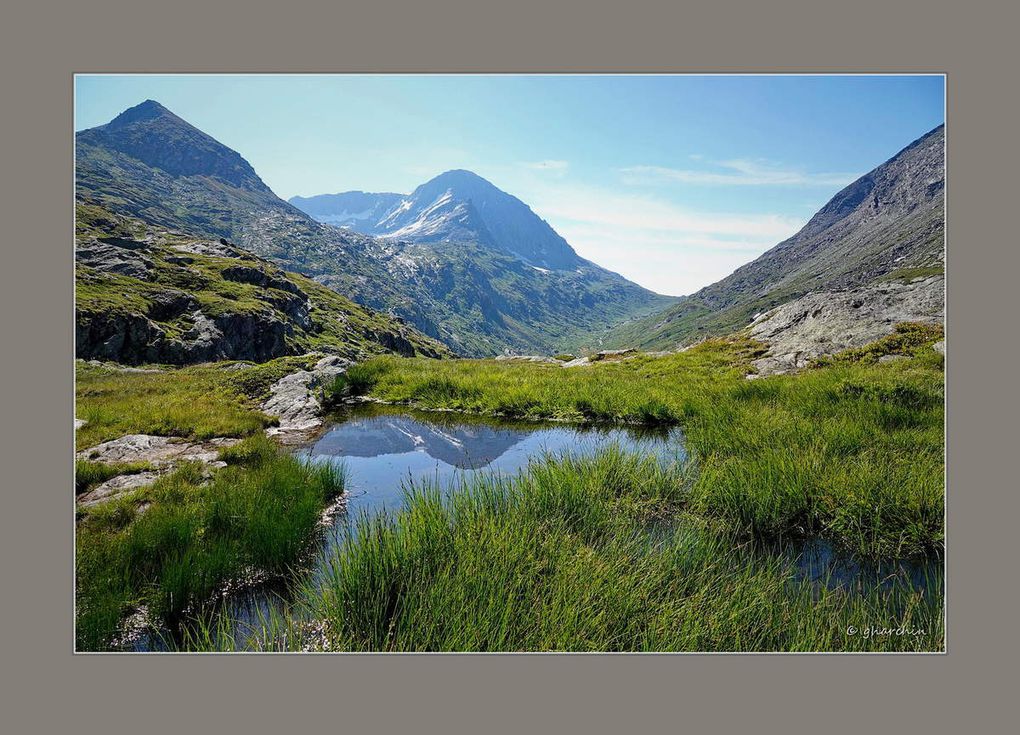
(735,172)
(662,246)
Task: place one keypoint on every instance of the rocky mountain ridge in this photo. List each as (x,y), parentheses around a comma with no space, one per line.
(478,297)
(146,295)
(889,223)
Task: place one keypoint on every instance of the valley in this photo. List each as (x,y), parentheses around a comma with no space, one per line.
(387,422)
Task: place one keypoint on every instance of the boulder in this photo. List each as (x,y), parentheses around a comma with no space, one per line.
(577,362)
(296,399)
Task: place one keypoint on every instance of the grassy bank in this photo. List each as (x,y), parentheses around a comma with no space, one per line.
(851,450)
(198,402)
(170,547)
(588,554)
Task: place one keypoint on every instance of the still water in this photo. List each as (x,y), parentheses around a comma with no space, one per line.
(385,449)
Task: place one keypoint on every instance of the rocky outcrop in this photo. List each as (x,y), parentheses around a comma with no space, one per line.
(221,249)
(115,255)
(297,399)
(394,342)
(602,356)
(135,338)
(115,487)
(164,297)
(577,362)
(828,322)
(528,358)
(159,451)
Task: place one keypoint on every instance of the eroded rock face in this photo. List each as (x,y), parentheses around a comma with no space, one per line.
(116,255)
(136,338)
(825,323)
(394,342)
(119,337)
(296,399)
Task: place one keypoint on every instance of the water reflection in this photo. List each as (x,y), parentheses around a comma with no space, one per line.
(383,449)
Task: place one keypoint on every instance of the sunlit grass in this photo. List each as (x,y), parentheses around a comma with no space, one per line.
(589,554)
(196,534)
(198,402)
(851,450)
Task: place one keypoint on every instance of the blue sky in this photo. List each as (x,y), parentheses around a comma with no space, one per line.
(672,181)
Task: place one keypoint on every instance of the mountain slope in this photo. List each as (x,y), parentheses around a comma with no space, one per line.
(351,209)
(477,296)
(145,295)
(455,206)
(888,223)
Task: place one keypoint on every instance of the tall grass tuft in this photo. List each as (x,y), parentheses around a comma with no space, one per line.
(257,514)
(851,450)
(589,554)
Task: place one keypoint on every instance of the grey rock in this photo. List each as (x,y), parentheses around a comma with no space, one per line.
(115,487)
(828,322)
(394,342)
(170,304)
(892,358)
(135,338)
(940,347)
(78,423)
(296,399)
(576,362)
(220,249)
(159,451)
(259,277)
(106,255)
(527,358)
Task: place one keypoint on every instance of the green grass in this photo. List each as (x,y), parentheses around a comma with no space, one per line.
(198,402)
(88,474)
(908,340)
(588,554)
(851,451)
(334,323)
(195,534)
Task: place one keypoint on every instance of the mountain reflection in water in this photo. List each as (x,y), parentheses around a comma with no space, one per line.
(382,449)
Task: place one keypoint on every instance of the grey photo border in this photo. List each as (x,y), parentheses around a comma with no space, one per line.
(43,48)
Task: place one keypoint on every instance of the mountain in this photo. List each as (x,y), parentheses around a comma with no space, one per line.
(888,225)
(353,209)
(463,271)
(147,295)
(454,206)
